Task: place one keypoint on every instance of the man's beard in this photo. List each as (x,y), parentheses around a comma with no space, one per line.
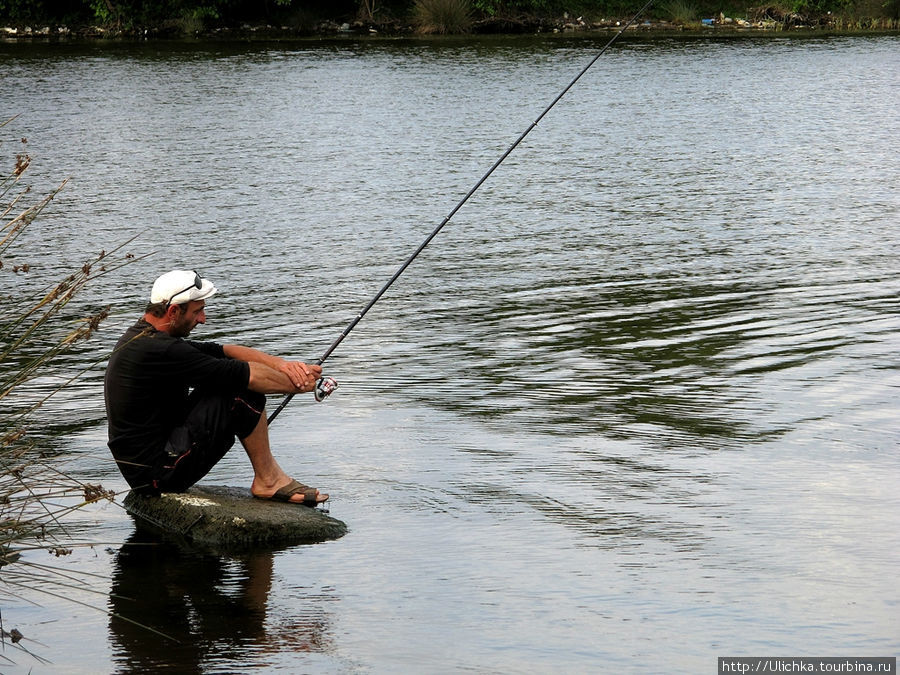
(181,327)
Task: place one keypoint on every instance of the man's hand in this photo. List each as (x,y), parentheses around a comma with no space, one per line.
(302,375)
(273,374)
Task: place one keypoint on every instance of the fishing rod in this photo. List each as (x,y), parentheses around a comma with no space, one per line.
(326,385)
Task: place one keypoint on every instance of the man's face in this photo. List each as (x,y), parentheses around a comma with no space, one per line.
(185,317)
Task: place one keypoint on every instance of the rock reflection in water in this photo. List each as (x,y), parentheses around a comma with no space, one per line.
(173,607)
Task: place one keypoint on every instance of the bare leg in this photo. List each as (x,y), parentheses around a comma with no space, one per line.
(268,476)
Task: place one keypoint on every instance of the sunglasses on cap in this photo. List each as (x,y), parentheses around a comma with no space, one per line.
(198,284)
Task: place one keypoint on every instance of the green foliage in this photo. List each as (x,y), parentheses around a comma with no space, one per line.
(136,14)
(205,13)
(680,11)
(501,7)
(23,11)
(819,6)
(102,11)
(489,7)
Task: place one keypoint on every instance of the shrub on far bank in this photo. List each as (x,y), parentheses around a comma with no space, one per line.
(680,11)
(442,17)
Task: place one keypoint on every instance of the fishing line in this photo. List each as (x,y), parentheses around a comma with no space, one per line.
(326,385)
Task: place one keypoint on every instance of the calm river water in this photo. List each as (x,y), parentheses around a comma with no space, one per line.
(635,408)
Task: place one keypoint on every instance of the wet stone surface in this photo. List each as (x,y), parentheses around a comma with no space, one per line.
(229,517)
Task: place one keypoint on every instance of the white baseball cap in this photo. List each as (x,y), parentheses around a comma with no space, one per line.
(180,286)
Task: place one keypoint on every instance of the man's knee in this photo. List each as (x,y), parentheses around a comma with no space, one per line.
(246,410)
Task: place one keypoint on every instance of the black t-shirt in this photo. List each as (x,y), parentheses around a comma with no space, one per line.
(148,379)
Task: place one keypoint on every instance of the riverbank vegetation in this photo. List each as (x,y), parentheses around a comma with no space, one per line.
(38,324)
(178,18)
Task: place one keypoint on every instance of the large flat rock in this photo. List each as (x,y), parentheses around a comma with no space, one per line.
(229,517)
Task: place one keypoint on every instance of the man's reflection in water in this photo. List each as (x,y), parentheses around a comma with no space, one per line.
(212,608)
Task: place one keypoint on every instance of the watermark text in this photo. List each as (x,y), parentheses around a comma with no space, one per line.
(789,664)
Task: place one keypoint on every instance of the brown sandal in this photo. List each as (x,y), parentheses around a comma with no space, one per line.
(284,494)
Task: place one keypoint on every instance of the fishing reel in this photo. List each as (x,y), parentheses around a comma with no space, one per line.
(324,387)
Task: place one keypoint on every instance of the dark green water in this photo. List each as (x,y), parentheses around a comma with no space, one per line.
(634,409)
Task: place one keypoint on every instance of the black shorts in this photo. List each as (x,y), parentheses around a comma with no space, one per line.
(206,435)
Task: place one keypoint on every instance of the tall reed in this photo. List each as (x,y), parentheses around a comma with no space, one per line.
(36,491)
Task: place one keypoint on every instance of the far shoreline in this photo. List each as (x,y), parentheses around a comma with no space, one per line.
(720,27)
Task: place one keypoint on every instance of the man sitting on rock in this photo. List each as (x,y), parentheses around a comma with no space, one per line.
(174,406)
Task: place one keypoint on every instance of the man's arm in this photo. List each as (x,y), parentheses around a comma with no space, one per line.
(274,375)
